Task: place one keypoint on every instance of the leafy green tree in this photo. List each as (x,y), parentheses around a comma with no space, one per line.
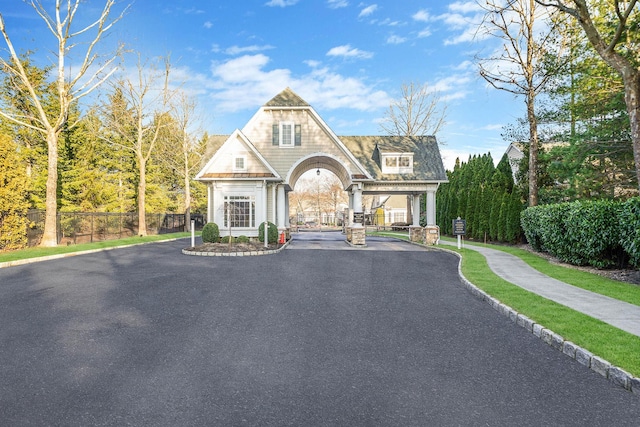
(13,196)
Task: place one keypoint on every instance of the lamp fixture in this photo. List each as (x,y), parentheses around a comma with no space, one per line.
(318,172)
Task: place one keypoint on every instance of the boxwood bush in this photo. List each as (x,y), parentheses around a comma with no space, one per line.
(210,233)
(272,232)
(242,239)
(227,239)
(630,229)
(580,233)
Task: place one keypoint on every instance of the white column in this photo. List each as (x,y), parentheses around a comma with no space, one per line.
(265,203)
(287,223)
(210,207)
(357,201)
(274,201)
(416,210)
(431,207)
(280,215)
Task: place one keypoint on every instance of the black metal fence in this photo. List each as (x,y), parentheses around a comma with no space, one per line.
(84,227)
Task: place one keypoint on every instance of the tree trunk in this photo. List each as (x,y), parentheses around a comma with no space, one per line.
(50,236)
(533,151)
(142,188)
(632,100)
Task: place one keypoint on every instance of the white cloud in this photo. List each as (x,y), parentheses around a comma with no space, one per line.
(346,51)
(368,11)
(421,16)
(337,4)
(208,24)
(281,3)
(465,7)
(394,39)
(424,33)
(246,83)
(237,50)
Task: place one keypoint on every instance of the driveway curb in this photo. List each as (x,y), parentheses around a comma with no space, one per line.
(614,374)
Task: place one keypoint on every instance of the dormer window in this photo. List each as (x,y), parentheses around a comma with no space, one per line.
(399,163)
(286,134)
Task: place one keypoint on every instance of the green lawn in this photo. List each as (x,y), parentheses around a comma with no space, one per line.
(38,252)
(618,347)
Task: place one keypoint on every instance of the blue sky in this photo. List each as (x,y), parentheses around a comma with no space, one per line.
(347,58)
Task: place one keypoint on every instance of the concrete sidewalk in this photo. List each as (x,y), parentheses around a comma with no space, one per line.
(617,313)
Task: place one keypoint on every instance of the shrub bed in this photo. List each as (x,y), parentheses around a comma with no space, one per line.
(210,233)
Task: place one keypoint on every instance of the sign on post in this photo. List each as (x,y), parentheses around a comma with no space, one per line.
(459,229)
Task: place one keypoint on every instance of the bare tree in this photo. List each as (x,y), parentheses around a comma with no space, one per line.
(616,41)
(525,34)
(70,85)
(180,150)
(418,111)
(134,119)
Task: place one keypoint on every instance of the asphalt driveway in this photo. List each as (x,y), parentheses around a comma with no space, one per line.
(148,336)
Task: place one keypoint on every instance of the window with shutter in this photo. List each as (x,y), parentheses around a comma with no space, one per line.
(298,136)
(275,134)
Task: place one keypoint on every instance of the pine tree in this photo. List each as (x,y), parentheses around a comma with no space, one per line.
(13,196)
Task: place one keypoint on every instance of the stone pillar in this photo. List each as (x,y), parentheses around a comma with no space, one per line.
(416,210)
(431,235)
(416,234)
(280,208)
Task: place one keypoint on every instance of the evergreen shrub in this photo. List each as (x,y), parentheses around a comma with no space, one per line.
(242,239)
(630,229)
(227,239)
(580,233)
(272,232)
(210,233)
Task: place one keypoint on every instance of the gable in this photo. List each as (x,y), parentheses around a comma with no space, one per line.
(237,158)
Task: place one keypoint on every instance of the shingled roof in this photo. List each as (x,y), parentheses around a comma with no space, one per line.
(287,98)
(427,163)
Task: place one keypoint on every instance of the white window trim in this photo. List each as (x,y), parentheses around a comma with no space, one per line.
(397,169)
(292,134)
(234,163)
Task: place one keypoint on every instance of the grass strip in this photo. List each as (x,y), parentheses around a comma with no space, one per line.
(38,252)
(618,347)
(581,279)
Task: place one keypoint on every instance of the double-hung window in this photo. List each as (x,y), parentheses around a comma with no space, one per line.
(286,134)
(240,211)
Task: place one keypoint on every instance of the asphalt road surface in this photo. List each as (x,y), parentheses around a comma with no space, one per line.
(146,336)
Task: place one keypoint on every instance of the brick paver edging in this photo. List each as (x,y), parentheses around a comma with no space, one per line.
(251,253)
(616,375)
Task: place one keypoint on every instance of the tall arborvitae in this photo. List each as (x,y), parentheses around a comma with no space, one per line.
(484,196)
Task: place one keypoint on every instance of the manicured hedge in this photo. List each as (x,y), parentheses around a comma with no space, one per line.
(272,232)
(597,233)
(630,230)
(210,233)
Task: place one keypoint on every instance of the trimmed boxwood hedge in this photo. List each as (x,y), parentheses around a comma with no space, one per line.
(272,232)
(599,233)
(210,233)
